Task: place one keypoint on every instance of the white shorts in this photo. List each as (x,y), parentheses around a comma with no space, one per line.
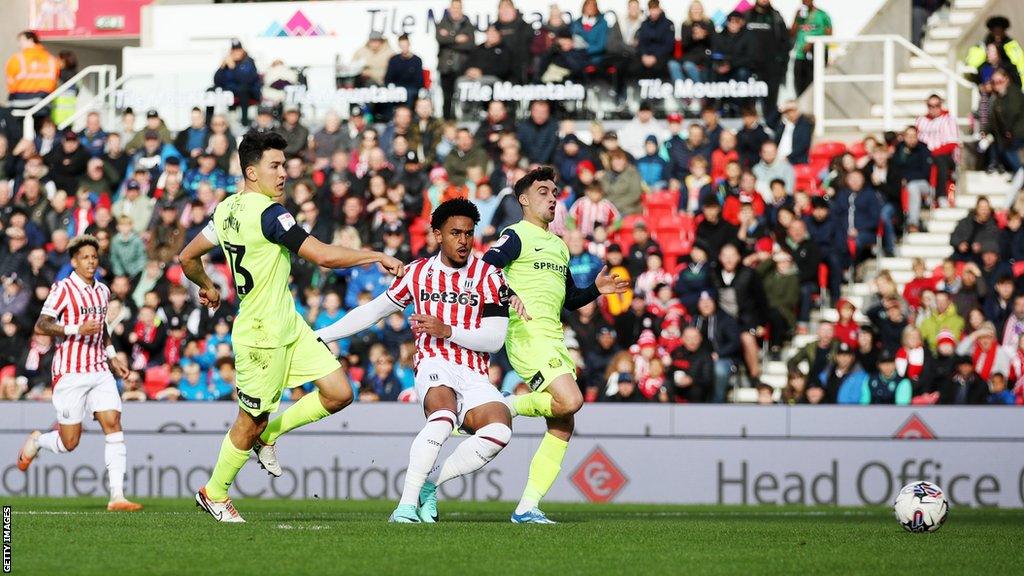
(471,388)
(76,394)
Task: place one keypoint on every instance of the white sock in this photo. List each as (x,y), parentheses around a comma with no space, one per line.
(475,452)
(526,504)
(424,451)
(115,455)
(51,442)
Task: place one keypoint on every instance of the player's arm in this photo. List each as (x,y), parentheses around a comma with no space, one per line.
(279,227)
(360,318)
(490,336)
(118,366)
(53,306)
(191,260)
(605,283)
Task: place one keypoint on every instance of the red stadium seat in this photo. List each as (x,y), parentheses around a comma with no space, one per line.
(1001,218)
(659,206)
(806,179)
(858,150)
(156,379)
(1018,268)
(827,150)
(624,235)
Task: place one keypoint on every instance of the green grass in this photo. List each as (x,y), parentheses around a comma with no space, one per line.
(77,536)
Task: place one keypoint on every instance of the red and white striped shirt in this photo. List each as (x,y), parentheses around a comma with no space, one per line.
(940,133)
(455,296)
(72,302)
(588,214)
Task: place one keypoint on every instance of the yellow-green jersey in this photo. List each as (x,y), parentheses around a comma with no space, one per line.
(536,266)
(256,235)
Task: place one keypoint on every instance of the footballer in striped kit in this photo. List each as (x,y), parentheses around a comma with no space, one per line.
(75,312)
(461,315)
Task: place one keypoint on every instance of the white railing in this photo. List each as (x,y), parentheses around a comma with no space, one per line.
(106,75)
(887,78)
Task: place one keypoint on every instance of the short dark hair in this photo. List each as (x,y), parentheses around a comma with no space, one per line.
(29,35)
(79,242)
(255,143)
(538,174)
(454,207)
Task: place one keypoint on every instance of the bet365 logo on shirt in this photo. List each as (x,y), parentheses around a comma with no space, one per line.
(461,298)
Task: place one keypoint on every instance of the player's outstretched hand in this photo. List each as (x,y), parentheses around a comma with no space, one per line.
(119,366)
(209,298)
(393,265)
(90,327)
(517,304)
(610,283)
(431,325)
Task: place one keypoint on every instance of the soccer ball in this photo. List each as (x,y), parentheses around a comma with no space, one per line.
(921,507)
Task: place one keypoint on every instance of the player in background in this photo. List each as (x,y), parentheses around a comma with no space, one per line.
(536,265)
(75,314)
(461,315)
(274,347)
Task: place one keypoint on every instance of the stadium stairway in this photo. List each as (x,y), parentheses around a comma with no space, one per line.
(915,85)
(933,246)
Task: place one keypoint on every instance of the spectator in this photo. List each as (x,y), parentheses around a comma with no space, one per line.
(696,35)
(238,75)
(538,135)
(93,137)
(591,210)
(1009,50)
(1013,328)
(295,134)
(810,21)
(741,295)
(914,360)
(1006,121)
(807,259)
(598,359)
(634,134)
(516,36)
(136,206)
(886,386)
(944,318)
(987,356)
(372,60)
(208,172)
(692,373)
(466,155)
(405,70)
(975,232)
(383,383)
(938,130)
(998,394)
(454,34)
(328,140)
(622,186)
(793,134)
(771,41)
(564,61)
(844,380)
(751,137)
(732,56)
(860,208)
(782,292)
(655,43)
(583,265)
(681,153)
(276,81)
(772,167)
(652,167)
(491,61)
(167,237)
(965,387)
(67,162)
(128,252)
(32,73)
(593,29)
(913,164)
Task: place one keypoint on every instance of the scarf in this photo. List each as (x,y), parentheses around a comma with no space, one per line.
(983,360)
(140,356)
(910,363)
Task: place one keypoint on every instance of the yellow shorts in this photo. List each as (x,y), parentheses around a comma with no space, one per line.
(264,373)
(539,361)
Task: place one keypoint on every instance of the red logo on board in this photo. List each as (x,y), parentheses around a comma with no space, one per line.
(598,477)
(914,429)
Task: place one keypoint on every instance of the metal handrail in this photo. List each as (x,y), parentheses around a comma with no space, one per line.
(888,76)
(28,113)
(106,92)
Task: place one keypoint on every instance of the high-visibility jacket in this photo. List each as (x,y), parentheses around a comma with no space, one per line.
(976,55)
(32,70)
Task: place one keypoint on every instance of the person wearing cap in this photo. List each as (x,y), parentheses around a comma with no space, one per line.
(713,229)
(598,357)
(154,123)
(965,387)
(732,54)
(152,156)
(770,38)
(843,379)
(691,374)
(238,74)
(886,386)
(135,205)
(67,162)
(1009,49)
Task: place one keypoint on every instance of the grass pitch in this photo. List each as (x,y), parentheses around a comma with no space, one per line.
(77,536)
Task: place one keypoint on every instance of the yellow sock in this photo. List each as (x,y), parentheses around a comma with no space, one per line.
(229,462)
(544,468)
(307,410)
(533,404)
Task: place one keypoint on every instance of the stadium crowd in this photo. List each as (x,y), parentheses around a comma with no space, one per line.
(731,238)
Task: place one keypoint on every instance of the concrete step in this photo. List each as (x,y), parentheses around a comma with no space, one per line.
(944,32)
(925,239)
(862,289)
(937,48)
(801,340)
(744,395)
(924,251)
(969,4)
(901,277)
(774,367)
(906,108)
(941,226)
(908,79)
(962,17)
(954,214)
(777,381)
(906,263)
(915,94)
